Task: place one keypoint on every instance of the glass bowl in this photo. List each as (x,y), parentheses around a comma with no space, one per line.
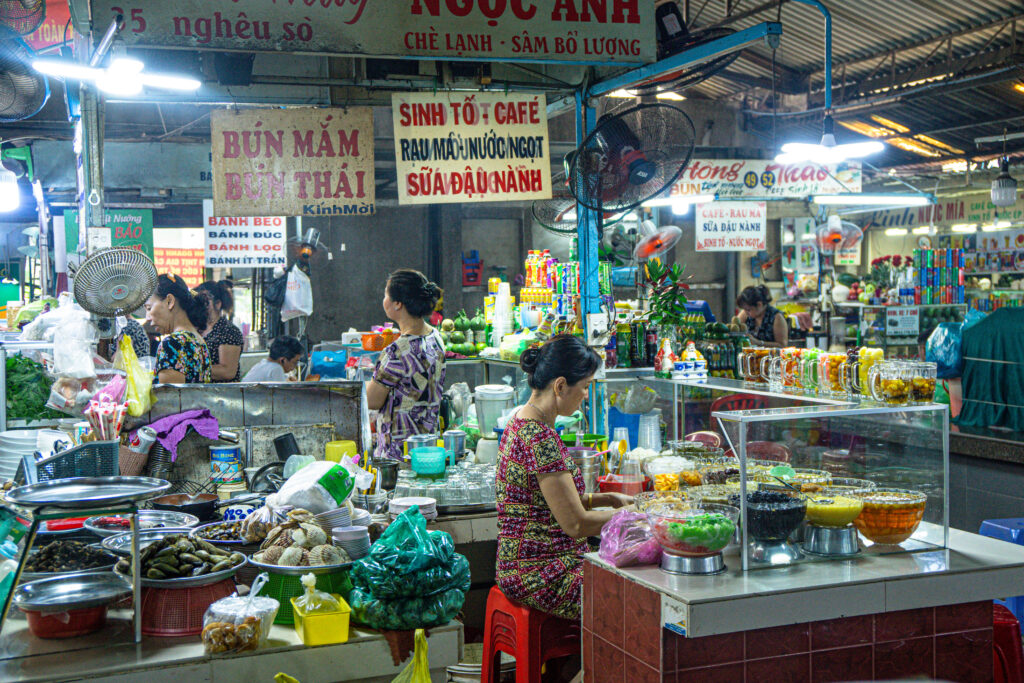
(807,480)
(718,470)
(693,533)
(835,508)
(717,494)
(890,516)
(850,486)
(772,515)
(680,500)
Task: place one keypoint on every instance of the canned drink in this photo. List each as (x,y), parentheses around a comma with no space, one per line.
(81,429)
(142,440)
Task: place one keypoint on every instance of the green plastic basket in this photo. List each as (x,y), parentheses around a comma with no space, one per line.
(284,587)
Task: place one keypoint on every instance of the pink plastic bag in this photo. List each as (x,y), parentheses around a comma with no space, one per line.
(626,540)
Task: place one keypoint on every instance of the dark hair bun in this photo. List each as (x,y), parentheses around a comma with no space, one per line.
(528,360)
(413,290)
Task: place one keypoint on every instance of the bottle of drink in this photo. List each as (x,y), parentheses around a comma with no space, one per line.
(625,343)
(611,354)
(650,346)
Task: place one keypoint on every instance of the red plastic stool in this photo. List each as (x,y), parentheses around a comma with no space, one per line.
(531,636)
(1008,656)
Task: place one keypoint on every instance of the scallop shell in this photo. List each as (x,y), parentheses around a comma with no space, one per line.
(271,555)
(309,535)
(272,536)
(326,554)
(300,515)
(294,557)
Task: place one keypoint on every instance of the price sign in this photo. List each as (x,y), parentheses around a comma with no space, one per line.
(902,322)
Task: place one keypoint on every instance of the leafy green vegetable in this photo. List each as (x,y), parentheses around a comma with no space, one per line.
(28,388)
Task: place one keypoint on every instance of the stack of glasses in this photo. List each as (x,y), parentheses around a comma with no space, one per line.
(473,485)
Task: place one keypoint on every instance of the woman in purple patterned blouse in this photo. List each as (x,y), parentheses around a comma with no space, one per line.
(409,378)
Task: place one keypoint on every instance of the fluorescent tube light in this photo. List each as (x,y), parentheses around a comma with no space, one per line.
(895,232)
(887,199)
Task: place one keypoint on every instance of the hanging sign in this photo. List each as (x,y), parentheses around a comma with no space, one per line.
(485,147)
(732,226)
(187,263)
(972,209)
(126,228)
(293,162)
(243,242)
(753,178)
(52,32)
(583,31)
(902,322)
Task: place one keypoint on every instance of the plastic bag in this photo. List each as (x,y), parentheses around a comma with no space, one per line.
(237,624)
(298,296)
(139,383)
(406,613)
(386,584)
(312,600)
(320,486)
(406,548)
(944,348)
(418,669)
(639,399)
(626,540)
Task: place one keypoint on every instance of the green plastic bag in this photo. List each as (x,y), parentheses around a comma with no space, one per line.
(418,669)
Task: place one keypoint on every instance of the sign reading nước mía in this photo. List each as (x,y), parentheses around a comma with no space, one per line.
(479,147)
(243,242)
(581,31)
(732,226)
(293,162)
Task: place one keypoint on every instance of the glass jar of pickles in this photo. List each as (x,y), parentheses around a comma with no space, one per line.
(809,370)
(790,367)
(922,383)
(890,382)
(750,365)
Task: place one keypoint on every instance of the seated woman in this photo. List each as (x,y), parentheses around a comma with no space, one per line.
(174,311)
(544,516)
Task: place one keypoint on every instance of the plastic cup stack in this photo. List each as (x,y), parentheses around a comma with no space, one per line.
(354,540)
(649,436)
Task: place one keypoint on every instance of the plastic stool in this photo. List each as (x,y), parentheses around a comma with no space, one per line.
(1010,530)
(531,636)
(1007,653)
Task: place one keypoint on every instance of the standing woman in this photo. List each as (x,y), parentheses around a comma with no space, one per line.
(409,378)
(223,338)
(174,311)
(544,516)
(766,325)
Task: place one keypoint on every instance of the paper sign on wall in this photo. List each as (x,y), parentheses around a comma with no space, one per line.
(293,162)
(187,263)
(732,226)
(902,322)
(243,242)
(482,147)
(125,228)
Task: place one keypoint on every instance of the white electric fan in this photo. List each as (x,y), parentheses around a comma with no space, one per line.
(113,283)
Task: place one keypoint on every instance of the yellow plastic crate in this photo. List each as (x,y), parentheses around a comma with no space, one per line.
(323,628)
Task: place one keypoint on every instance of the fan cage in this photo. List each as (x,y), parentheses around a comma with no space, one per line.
(103,273)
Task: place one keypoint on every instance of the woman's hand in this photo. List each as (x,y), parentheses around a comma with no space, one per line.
(618,500)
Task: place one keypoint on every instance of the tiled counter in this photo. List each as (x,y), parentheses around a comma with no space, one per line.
(876,617)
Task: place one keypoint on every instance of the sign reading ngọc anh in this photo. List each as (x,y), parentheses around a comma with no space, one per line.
(243,241)
(583,31)
(478,147)
(293,162)
(731,226)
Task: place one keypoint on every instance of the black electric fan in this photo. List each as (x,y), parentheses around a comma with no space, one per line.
(23,90)
(680,41)
(560,214)
(630,157)
(23,16)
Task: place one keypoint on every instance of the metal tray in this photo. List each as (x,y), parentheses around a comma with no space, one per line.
(37,576)
(121,544)
(238,543)
(83,493)
(189,581)
(472,508)
(299,571)
(176,520)
(72,591)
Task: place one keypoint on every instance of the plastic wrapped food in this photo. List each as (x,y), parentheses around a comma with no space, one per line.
(312,600)
(626,540)
(237,624)
(406,613)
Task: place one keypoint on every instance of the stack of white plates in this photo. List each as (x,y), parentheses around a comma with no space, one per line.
(355,540)
(333,519)
(14,444)
(427,506)
(361,518)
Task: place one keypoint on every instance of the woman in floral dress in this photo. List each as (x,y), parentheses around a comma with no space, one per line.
(409,378)
(182,357)
(544,516)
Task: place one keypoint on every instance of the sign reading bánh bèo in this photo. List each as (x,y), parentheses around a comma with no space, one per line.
(480,147)
(293,162)
(583,31)
(243,241)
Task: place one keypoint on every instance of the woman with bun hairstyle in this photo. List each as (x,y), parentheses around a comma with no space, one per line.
(544,516)
(409,378)
(174,311)
(223,338)
(766,325)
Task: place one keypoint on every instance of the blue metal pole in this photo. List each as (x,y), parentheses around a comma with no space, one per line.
(828,49)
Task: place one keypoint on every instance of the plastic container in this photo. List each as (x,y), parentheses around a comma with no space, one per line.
(74,622)
(284,587)
(322,628)
(336,450)
(429,460)
(491,401)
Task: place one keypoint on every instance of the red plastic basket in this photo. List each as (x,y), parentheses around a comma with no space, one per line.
(172,612)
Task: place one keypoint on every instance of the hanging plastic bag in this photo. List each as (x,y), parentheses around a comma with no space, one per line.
(312,600)
(139,390)
(298,296)
(944,348)
(626,540)
(406,613)
(321,486)
(418,669)
(235,624)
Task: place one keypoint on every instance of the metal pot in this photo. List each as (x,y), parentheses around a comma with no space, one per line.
(387,470)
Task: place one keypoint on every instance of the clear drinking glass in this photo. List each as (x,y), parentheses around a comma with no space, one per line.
(894,379)
(922,390)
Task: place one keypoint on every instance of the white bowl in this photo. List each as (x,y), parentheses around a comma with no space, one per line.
(350,533)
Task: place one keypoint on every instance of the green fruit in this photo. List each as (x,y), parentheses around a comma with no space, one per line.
(447,325)
(458,337)
(480,346)
(477,323)
(461,322)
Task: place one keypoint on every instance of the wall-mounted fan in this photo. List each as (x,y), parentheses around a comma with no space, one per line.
(112,283)
(836,235)
(680,41)
(23,16)
(560,214)
(655,241)
(630,157)
(309,249)
(23,90)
